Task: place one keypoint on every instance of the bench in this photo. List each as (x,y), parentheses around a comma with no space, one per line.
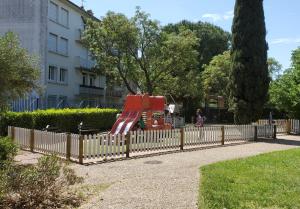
(85,129)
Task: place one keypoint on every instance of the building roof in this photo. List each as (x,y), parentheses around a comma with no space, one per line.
(80,9)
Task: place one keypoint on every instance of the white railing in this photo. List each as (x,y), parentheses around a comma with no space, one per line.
(91,148)
(22,137)
(50,143)
(103,146)
(202,135)
(295,126)
(74,144)
(153,140)
(265,131)
(281,124)
(239,132)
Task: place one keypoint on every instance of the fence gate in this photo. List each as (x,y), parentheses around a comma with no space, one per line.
(281,125)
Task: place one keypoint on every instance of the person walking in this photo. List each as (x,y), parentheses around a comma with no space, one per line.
(199,119)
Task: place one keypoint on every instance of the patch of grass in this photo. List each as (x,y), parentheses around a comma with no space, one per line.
(264,181)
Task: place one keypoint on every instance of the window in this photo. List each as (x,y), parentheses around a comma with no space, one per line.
(92,81)
(84,79)
(52,42)
(52,73)
(53,12)
(63,75)
(63,46)
(64,17)
(51,101)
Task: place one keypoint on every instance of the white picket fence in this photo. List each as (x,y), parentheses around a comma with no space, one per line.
(239,133)
(202,135)
(91,148)
(265,131)
(153,140)
(295,126)
(281,124)
(50,143)
(75,138)
(45,142)
(22,136)
(103,146)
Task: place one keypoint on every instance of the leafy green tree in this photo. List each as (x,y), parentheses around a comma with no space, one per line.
(215,76)
(19,70)
(212,40)
(274,68)
(249,79)
(138,53)
(285,91)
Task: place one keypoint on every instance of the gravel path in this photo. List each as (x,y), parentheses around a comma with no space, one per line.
(165,181)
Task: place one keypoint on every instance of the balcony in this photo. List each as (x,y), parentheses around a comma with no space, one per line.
(91,90)
(114,93)
(85,64)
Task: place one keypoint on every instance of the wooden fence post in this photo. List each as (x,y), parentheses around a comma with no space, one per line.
(31,140)
(255,133)
(127,138)
(80,149)
(68,148)
(288,126)
(274,132)
(181,138)
(223,135)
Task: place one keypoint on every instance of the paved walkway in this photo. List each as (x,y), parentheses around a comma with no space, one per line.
(165,181)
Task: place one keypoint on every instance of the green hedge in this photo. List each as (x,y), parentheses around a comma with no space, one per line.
(66,120)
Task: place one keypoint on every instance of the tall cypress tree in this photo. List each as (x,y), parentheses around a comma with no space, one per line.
(249,80)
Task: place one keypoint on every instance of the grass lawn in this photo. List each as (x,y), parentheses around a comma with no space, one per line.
(265,181)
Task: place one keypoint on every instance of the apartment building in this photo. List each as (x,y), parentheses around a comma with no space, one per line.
(51,30)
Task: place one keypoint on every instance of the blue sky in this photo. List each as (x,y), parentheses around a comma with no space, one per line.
(281,17)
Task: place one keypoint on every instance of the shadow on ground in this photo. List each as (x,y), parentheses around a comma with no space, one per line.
(279,140)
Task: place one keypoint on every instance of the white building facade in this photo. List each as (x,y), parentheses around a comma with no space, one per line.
(51,30)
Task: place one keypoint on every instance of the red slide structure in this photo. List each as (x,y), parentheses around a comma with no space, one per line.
(148,108)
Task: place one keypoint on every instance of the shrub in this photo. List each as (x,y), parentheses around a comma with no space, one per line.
(45,185)
(66,120)
(8,150)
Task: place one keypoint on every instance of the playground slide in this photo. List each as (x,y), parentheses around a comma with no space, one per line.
(125,123)
(118,124)
(119,127)
(127,128)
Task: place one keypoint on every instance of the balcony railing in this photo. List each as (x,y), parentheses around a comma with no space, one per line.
(91,90)
(114,93)
(85,63)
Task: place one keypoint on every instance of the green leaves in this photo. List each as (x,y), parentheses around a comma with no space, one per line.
(285,91)
(249,77)
(19,70)
(137,53)
(215,76)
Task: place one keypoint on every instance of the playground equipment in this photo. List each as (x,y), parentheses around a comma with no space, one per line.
(144,112)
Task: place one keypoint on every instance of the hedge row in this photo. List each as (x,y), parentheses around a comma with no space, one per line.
(66,120)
